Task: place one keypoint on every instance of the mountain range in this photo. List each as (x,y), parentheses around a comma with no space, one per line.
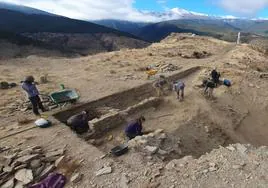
(24,24)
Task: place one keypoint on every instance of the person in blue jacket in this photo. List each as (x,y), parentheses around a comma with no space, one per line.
(33,94)
(134,128)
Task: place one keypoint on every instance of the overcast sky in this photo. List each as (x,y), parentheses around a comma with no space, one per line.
(131,9)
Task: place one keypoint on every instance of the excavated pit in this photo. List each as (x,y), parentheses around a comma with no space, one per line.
(109,116)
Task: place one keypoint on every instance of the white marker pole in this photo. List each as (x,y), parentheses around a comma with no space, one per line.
(238,38)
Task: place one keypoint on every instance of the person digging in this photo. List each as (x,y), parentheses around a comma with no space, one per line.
(178,87)
(209,87)
(79,122)
(29,86)
(134,128)
(160,84)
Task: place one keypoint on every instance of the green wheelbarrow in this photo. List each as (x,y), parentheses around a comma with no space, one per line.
(64,96)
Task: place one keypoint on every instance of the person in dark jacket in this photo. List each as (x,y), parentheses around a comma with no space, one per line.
(33,94)
(134,128)
(215,76)
(209,87)
(79,122)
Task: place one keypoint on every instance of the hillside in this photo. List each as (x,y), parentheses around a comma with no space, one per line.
(198,142)
(125,26)
(63,34)
(225,29)
(214,28)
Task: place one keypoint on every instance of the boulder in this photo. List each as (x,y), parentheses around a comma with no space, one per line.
(24,175)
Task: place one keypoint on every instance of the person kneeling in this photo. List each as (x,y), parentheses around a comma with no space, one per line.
(134,128)
(79,122)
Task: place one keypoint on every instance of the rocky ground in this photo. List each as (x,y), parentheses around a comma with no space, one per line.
(189,148)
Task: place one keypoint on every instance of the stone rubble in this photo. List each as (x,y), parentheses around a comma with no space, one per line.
(19,168)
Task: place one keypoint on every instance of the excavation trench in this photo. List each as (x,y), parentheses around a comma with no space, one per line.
(110,114)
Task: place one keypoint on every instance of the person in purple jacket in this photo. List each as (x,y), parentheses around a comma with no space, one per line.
(33,94)
(134,128)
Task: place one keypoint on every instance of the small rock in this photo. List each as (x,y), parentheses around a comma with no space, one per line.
(110,138)
(8,169)
(162,152)
(171,165)
(212,169)
(20,167)
(59,161)
(158,131)
(237,167)
(47,171)
(24,175)
(205,171)
(35,163)
(151,149)
(212,164)
(9,184)
(104,171)
(76,177)
(103,156)
(56,153)
(163,136)
(9,158)
(15,164)
(231,148)
(207,129)
(241,148)
(39,170)
(27,158)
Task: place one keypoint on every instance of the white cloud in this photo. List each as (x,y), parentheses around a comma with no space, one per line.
(107,9)
(244,7)
(88,9)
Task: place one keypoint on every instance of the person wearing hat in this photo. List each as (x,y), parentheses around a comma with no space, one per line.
(29,86)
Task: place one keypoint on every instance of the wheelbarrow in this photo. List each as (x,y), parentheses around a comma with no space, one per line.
(63,96)
(60,98)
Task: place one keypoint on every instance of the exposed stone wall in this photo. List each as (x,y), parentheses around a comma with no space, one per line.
(121,100)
